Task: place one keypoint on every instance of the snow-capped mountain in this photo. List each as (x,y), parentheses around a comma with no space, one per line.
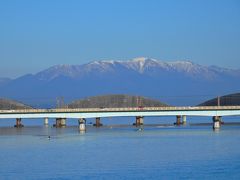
(179,82)
(141,65)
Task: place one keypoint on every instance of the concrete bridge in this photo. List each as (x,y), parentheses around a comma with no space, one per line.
(216,112)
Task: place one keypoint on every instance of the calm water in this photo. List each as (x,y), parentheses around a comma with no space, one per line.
(190,152)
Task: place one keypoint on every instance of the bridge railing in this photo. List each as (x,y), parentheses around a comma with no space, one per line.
(125,109)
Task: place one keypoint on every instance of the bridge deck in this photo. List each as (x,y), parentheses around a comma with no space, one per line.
(121,112)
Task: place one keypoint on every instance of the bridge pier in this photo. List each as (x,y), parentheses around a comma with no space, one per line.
(178,120)
(216,122)
(82,124)
(45,121)
(98,122)
(60,122)
(184,120)
(18,123)
(139,121)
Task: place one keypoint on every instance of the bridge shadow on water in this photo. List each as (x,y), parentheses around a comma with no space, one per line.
(112,126)
(53,132)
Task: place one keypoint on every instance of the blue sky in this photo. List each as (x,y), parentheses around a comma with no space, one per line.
(37,34)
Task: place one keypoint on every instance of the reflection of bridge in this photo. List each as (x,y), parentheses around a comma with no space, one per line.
(180,112)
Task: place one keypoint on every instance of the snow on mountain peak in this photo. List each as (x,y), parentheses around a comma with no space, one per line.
(141,62)
(139,65)
(140,59)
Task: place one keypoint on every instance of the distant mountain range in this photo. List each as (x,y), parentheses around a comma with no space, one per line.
(175,83)
(4,81)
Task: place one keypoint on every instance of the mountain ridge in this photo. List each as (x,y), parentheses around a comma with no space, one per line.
(138,65)
(140,76)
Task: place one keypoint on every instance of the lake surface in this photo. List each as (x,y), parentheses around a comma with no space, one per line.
(120,152)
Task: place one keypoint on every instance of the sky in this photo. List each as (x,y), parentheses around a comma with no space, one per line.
(35,35)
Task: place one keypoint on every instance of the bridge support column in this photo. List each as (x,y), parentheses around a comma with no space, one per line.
(98,122)
(220,119)
(139,121)
(216,122)
(18,123)
(178,120)
(63,122)
(60,122)
(45,121)
(184,120)
(82,124)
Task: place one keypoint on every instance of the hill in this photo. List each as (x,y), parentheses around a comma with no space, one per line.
(6,104)
(115,101)
(227,100)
